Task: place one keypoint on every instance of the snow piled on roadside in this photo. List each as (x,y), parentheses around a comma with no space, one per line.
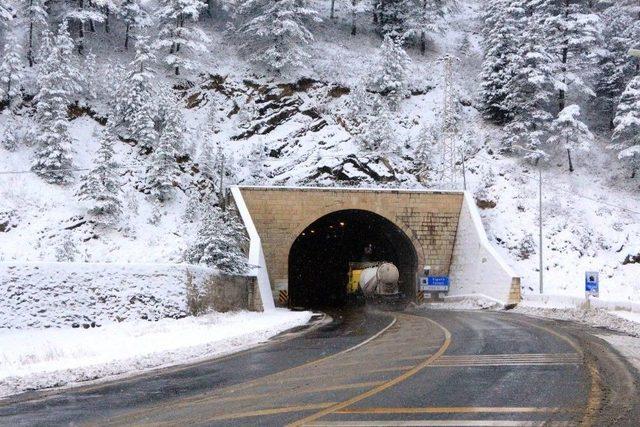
(597,318)
(463,303)
(42,358)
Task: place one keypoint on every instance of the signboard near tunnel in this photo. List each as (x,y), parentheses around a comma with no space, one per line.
(435,284)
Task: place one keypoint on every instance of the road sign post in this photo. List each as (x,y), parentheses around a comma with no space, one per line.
(592,284)
(432,286)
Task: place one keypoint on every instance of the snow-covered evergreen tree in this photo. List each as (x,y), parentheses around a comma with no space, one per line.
(392,16)
(569,132)
(37,19)
(181,42)
(101,186)
(274,33)
(571,30)
(164,168)
(81,13)
(376,130)
(11,70)
(503,25)
(530,87)
(389,77)
(134,109)
(615,68)
(170,121)
(108,8)
(425,18)
(6,15)
(66,249)
(58,81)
(133,15)
(219,242)
(626,135)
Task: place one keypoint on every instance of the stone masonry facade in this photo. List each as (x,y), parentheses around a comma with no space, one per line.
(429,219)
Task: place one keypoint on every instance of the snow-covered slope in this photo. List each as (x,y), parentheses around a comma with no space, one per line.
(297,128)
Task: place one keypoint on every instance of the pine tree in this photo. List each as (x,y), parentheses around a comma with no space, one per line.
(6,15)
(503,25)
(572,31)
(58,81)
(11,70)
(614,67)
(389,77)
(425,17)
(219,243)
(101,186)
(392,17)
(626,135)
(182,43)
(170,120)
(274,33)
(37,17)
(107,8)
(134,109)
(530,87)
(164,168)
(376,129)
(81,13)
(132,14)
(569,132)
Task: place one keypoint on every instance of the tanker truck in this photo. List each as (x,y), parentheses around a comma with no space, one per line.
(373,280)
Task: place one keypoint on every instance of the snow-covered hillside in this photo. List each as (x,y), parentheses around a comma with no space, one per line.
(311,123)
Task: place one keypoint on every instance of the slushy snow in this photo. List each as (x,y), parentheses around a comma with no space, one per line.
(41,358)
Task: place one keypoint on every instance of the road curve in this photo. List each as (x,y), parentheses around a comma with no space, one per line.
(418,368)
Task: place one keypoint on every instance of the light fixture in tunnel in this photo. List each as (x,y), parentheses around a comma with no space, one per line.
(341,224)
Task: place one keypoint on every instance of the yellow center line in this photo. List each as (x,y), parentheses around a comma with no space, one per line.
(384,386)
(457,410)
(236,415)
(184,401)
(288,392)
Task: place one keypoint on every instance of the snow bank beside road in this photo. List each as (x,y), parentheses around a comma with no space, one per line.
(41,358)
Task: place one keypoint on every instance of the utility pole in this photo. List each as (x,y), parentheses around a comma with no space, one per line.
(540,224)
(448,125)
(221,194)
(540,238)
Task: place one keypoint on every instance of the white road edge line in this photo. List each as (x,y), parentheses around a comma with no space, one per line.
(368,340)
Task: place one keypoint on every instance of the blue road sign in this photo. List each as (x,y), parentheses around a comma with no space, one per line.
(592,283)
(435,284)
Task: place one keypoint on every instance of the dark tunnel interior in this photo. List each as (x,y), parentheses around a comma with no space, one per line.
(319,258)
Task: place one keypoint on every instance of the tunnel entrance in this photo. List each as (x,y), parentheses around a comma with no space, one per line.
(319,257)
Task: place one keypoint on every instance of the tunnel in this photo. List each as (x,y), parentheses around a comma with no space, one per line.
(319,257)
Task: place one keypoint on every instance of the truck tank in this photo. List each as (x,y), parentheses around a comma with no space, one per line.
(380,280)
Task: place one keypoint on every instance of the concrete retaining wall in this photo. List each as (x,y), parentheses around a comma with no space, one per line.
(476,267)
(82,294)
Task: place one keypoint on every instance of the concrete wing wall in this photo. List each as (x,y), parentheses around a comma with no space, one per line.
(256,255)
(476,267)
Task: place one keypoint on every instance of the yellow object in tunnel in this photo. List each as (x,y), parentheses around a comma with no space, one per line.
(354,281)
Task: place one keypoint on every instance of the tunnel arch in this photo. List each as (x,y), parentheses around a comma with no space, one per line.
(319,256)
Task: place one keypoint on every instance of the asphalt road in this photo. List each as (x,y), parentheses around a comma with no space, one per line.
(368,368)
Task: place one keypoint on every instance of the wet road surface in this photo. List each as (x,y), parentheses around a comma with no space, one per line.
(368,368)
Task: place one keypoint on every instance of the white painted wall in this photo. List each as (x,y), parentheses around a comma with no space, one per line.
(476,267)
(256,254)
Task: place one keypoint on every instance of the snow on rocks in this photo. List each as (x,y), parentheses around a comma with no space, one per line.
(41,358)
(42,294)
